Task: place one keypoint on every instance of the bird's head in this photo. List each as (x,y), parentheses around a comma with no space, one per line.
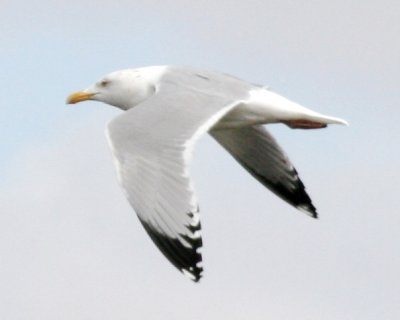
(123,89)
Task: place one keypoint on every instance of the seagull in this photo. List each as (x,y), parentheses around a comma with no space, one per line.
(167,109)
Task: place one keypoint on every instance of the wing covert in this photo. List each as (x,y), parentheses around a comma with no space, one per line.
(152,145)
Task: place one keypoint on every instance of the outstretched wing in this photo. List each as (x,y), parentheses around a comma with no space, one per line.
(152,145)
(257,151)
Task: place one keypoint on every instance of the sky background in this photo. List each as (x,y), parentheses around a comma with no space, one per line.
(72,248)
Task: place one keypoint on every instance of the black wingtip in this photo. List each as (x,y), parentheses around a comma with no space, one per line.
(297,197)
(185,258)
(308,209)
(194,274)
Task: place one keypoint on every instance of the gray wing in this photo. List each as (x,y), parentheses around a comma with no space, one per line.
(152,145)
(257,151)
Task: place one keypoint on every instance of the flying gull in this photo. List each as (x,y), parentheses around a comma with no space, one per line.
(167,109)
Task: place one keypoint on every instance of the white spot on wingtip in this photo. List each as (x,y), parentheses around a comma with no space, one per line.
(306,209)
(195,235)
(188,274)
(195,220)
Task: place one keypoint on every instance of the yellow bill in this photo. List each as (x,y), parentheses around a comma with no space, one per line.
(79,96)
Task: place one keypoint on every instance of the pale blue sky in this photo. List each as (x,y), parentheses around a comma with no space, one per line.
(72,248)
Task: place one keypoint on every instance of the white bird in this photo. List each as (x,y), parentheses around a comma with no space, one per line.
(167,109)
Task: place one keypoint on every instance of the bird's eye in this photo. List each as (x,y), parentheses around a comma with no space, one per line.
(104,83)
